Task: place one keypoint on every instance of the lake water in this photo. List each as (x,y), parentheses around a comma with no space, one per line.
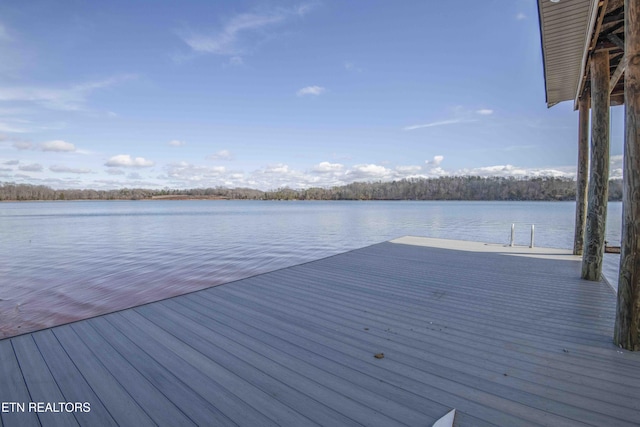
(63,261)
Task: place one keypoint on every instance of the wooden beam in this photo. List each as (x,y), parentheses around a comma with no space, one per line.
(593,30)
(599,168)
(616,40)
(616,99)
(627,327)
(614,28)
(606,44)
(615,16)
(596,30)
(582,176)
(598,12)
(617,74)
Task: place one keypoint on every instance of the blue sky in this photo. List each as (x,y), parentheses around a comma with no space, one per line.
(267,94)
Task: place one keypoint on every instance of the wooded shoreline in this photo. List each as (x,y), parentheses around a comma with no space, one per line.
(443,188)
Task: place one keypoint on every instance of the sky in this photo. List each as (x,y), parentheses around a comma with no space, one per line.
(270,94)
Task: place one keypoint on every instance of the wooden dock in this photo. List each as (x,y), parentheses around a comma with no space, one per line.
(507,336)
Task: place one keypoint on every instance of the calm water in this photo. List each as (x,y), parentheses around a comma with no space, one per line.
(62,261)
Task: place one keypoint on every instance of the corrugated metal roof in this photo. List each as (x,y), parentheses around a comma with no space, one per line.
(564,26)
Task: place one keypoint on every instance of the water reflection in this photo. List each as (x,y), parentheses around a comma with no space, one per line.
(63,261)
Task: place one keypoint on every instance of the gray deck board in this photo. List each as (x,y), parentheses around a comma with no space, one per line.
(507,337)
(70,381)
(190,403)
(404,324)
(200,372)
(355,369)
(361,404)
(428,373)
(406,349)
(302,358)
(259,386)
(13,388)
(154,403)
(121,405)
(42,386)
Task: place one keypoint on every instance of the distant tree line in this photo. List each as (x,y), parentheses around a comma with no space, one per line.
(19,192)
(443,188)
(447,188)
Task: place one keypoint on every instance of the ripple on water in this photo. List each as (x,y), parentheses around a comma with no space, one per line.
(72,260)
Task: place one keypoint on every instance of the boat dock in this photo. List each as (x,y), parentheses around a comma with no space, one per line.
(398,333)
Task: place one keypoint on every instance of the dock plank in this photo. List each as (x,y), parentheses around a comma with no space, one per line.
(507,336)
(203,373)
(180,394)
(14,390)
(155,404)
(311,356)
(71,382)
(397,321)
(441,385)
(120,404)
(459,368)
(311,337)
(363,406)
(41,384)
(258,386)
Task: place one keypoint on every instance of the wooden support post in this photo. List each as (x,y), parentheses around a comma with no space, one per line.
(627,328)
(582,176)
(599,177)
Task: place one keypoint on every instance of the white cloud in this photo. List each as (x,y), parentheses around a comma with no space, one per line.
(515,171)
(460,115)
(520,16)
(33,167)
(226,41)
(114,171)
(58,145)
(279,168)
(11,128)
(499,170)
(22,145)
(65,169)
(326,167)
(17,125)
(281,175)
(434,124)
(615,166)
(11,162)
(241,32)
(183,171)
(369,171)
(72,98)
(221,155)
(434,167)
(436,161)
(125,160)
(176,143)
(311,90)
(408,170)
